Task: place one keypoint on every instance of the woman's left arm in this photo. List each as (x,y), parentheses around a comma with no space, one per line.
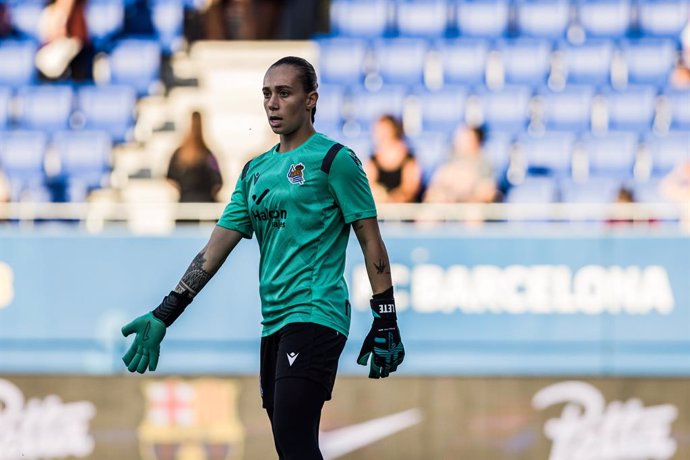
(375,254)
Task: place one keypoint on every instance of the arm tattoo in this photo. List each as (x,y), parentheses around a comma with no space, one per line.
(381,267)
(357,225)
(195,278)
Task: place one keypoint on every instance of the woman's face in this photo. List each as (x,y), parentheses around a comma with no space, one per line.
(466,142)
(383,131)
(288,107)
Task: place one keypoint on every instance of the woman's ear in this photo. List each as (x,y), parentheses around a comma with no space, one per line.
(312,98)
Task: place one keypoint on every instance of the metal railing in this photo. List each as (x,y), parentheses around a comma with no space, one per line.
(164,214)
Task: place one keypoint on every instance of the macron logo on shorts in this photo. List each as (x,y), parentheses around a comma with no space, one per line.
(292,356)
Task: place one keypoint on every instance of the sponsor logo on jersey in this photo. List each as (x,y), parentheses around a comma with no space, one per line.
(355,158)
(296,174)
(269,214)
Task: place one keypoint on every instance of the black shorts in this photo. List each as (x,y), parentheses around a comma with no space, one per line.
(300,350)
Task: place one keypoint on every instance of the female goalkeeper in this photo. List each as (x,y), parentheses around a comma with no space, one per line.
(299,199)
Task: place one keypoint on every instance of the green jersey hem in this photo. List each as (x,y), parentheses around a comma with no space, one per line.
(301,318)
(349,218)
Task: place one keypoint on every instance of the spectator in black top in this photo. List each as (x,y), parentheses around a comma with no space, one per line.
(393,172)
(193,168)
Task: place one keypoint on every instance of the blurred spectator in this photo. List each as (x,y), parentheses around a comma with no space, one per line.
(468,176)
(680,77)
(624,196)
(66,50)
(193,168)
(676,187)
(4,188)
(393,172)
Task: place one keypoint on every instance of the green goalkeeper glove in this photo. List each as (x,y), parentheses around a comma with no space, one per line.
(150,329)
(383,340)
(146,347)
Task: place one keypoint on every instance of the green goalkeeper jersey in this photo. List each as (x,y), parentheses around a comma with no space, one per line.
(300,204)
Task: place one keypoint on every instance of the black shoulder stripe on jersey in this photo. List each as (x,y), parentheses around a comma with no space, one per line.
(330,156)
(245,169)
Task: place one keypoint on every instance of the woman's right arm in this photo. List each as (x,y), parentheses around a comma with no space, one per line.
(208,261)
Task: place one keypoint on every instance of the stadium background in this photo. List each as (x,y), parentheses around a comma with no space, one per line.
(535,329)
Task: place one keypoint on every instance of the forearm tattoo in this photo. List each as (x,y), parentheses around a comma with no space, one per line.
(381,267)
(195,278)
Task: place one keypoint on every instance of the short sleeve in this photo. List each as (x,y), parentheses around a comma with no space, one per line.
(349,185)
(236,215)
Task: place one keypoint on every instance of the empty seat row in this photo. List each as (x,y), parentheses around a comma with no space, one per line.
(474,61)
(497,18)
(81,162)
(511,110)
(105,21)
(132,61)
(600,190)
(621,155)
(52,108)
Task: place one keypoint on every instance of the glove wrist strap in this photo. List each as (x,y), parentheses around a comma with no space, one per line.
(383,309)
(171,307)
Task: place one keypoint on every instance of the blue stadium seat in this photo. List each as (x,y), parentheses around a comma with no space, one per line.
(136,62)
(543,18)
(360,18)
(5,98)
(632,109)
(108,108)
(17,57)
(401,60)
(341,60)
(605,18)
(497,149)
(547,154)
(431,149)
(648,192)
(46,107)
(443,110)
(361,145)
(84,159)
(506,111)
(649,61)
(25,16)
(526,61)
(612,154)
(422,18)
(463,60)
(533,190)
(589,63)
(370,105)
(679,104)
(667,151)
(483,18)
(570,109)
(663,18)
(594,190)
(168,18)
(329,112)
(104,19)
(21,159)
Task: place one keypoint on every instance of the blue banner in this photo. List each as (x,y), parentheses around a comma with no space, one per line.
(500,303)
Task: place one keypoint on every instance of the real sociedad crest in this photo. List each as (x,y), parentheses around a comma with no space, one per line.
(296,174)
